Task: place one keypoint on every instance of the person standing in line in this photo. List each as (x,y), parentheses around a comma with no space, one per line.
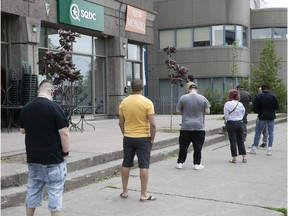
(189,82)
(138,126)
(245,99)
(47,145)
(193,108)
(265,129)
(234,111)
(265,105)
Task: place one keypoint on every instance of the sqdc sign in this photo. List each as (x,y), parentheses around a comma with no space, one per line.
(81,13)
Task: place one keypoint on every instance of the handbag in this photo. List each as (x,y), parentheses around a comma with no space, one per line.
(234,108)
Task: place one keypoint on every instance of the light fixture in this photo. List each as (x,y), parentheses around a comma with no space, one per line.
(34,29)
(124,45)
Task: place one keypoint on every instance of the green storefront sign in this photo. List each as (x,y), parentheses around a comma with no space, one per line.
(81,13)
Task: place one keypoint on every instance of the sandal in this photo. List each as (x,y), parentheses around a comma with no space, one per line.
(123,197)
(149,198)
(244,160)
(232,161)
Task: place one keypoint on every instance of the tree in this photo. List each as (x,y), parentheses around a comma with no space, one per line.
(58,65)
(177,74)
(234,67)
(266,74)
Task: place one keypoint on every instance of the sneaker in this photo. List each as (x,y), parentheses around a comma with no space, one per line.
(269,151)
(251,151)
(198,167)
(263,145)
(179,166)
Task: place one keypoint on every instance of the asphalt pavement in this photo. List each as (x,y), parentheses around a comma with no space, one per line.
(258,187)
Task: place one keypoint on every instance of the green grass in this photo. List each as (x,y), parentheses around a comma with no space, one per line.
(282,210)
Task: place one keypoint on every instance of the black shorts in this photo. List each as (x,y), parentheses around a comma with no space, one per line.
(139,146)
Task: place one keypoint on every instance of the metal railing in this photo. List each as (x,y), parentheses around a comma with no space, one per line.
(163,105)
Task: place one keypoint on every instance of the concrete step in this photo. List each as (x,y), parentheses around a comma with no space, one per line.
(90,170)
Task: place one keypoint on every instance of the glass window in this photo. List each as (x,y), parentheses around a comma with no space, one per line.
(83,44)
(166,38)
(129,72)
(245,43)
(201,36)
(4,31)
(41,53)
(280,33)
(137,71)
(53,38)
(203,84)
(217,35)
(230,35)
(99,71)
(99,46)
(218,84)
(134,52)
(261,33)
(239,35)
(184,38)
(84,63)
(229,83)
(43,38)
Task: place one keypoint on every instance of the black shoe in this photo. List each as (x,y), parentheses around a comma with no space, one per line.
(263,145)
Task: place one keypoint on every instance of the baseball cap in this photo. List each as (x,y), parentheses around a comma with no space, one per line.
(193,85)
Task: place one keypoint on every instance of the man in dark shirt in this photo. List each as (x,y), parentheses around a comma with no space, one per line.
(245,99)
(47,143)
(265,105)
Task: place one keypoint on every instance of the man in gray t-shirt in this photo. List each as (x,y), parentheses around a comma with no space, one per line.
(193,108)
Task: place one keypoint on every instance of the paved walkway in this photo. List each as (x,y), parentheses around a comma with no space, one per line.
(221,188)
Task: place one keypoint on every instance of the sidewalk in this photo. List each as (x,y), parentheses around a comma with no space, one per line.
(219,189)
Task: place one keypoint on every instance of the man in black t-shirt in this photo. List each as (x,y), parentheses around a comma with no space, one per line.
(47,144)
(245,99)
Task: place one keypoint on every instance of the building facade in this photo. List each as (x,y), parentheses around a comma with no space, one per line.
(123,40)
(109,54)
(203,32)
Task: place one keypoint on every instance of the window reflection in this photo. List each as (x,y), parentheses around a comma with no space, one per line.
(229,35)
(261,33)
(84,95)
(280,33)
(201,36)
(167,38)
(184,38)
(133,52)
(83,44)
(217,35)
(53,38)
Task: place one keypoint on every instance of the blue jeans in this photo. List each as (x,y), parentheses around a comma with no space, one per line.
(264,132)
(260,127)
(53,176)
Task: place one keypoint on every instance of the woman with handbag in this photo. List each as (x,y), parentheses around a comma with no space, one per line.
(233,114)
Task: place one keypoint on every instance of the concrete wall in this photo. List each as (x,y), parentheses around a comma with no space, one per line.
(203,62)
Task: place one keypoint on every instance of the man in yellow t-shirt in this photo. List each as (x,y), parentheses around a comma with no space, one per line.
(137,124)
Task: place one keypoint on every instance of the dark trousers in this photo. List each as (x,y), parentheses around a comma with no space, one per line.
(245,122)
(186,137)
(235,131)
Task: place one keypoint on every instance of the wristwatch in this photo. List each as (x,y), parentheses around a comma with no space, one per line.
(65,154)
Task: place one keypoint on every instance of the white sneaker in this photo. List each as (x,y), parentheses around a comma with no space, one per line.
(179,166)
(198,167)
(269,151)
(252,151)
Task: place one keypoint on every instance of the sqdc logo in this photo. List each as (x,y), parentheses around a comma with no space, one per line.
(76,13)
